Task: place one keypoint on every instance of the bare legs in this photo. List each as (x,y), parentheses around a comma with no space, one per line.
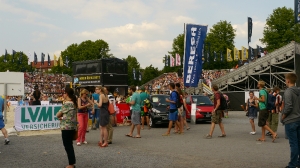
(138,127)
(212,127)
(103,135)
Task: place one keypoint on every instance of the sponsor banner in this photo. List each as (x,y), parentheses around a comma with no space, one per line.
(123,110)
(193,51)
(297,11)
(36,118)
(89,79)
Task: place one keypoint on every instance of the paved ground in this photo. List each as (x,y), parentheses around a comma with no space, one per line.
(238,149)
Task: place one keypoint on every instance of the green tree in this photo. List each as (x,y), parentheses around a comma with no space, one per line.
(150,73)
(133,63)
(15,66)
(220,37)
(86,50)
(280,29)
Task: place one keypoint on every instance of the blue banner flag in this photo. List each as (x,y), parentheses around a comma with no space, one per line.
(35,58)
(221,56)
(42,58)
(251,54)
(215,56)
(5,56)
(13,55)
(20,57)
(49,61)
(193,49)
(250,25)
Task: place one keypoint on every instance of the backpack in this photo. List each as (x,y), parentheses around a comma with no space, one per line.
(111,108)
(271,99)
(147,103)
(179,101)
(223,102)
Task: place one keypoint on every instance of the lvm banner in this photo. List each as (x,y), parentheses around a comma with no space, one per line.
(193,52)
(36,117)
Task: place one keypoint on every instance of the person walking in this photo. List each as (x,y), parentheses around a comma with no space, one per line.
(216,114)
(135,103)
(144,110)
(291,118)
(2,125)
(95,119)
(263,112)
(83,103)
(104,117)
(252,108)
(109,127)
(274,114)
(68,124)
(173,114)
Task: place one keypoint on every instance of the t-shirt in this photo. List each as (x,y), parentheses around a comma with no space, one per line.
(69,114)
(173,97)
(143,96)
(217,96)
(96,97)
(262,105)
(136,98)
(1,104)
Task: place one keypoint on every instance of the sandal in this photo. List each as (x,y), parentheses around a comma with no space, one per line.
(261,140)
(166,134)
(188,128)
(207,136)
(137,137)
(274,138)
(222,136)
(128,135)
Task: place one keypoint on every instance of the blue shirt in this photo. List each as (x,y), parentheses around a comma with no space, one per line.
(96,96)
(173,97)
(1,104)
(137,101)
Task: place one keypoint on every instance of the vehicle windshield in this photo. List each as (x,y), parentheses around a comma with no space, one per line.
(159,100)
(201,100)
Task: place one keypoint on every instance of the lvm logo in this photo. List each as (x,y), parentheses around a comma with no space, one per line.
(33,114)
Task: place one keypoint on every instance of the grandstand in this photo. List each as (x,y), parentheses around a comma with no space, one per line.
(269,68)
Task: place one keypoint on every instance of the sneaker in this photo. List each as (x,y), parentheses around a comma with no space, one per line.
(252,133)
(207,136)
(85,142)
(6,141)
(78,144)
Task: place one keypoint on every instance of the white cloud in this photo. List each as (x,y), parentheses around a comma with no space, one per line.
(242,33)
(38,36)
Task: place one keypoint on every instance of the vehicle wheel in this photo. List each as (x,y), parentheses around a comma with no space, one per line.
(151,123)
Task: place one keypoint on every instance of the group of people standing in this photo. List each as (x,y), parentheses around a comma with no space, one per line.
(75,113)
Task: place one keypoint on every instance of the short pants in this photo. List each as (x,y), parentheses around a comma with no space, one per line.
(2,125)
(173,115)
(263,117)
(217,117)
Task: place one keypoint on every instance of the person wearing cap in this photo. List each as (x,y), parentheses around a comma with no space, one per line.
(144,110)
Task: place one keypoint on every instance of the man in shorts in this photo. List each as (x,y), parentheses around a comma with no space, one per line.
(136,112)
(216,114)
(2,125)
(173,114)
(263,112)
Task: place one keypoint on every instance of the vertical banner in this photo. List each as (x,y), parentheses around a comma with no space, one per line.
(55,60)
(250,25)
(178,61)
(133,73)
(20,57)
(42,58)
(172,62)
(251,53)
(13,55)
(35,58)
(297,11)
(61,62)
(49,61)
(193,49)
(140,76)
(236,54)
(228,55)
(207,57)
(244,54)
(221,56)
(215,56)
(5,56)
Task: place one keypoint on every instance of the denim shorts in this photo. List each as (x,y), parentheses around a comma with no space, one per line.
(173,116)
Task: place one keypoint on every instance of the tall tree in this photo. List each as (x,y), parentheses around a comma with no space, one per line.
(220,37)
(150,73)
(86,50)
(280,29)
(133,63)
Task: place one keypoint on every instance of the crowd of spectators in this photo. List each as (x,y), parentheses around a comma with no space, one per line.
(209,75)
(51,85)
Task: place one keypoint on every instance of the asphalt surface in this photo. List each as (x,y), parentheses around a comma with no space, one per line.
(237,149)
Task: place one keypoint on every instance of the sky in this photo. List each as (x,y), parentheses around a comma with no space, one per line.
(144,29)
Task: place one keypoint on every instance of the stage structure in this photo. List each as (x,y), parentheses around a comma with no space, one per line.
(270,68)
(108,72)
